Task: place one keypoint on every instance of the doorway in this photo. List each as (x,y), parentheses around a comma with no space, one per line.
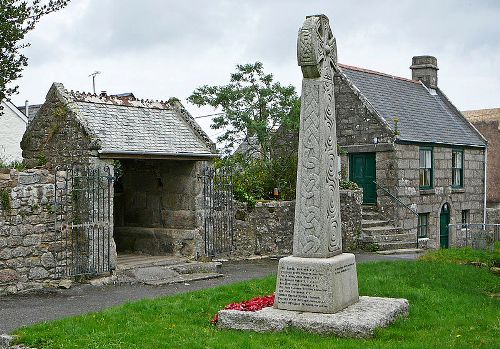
(444,220)
(362,171)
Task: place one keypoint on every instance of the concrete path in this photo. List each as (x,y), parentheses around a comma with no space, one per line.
(50,304)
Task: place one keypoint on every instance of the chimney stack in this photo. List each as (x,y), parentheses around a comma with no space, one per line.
(424,68)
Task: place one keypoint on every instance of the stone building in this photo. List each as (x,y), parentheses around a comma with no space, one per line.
(155,152)
(420,163)
(487,121)
(12,126)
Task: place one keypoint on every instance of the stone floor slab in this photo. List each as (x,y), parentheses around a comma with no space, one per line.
(356,321)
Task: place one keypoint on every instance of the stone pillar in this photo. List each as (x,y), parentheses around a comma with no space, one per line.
(318,277)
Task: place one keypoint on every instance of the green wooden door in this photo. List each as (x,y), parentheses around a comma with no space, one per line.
(362,171)
(444,220)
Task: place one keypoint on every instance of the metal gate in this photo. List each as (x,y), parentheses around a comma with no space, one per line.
(83,220)
(218,210)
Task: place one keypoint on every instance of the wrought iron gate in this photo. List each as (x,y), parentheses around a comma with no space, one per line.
(218,210)
(83,220)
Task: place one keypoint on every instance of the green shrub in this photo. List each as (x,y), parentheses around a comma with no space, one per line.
(5,199)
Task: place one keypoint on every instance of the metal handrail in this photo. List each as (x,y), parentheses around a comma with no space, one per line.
(397,199)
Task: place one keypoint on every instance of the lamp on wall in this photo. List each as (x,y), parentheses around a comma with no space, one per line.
(375,140)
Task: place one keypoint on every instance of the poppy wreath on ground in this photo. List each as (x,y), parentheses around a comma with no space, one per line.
(253,304)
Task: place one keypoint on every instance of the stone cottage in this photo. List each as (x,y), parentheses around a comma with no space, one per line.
(12,126)
(153,151)
(420,163)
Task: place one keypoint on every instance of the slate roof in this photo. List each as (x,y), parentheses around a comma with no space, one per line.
(126,125)
(425,116)
(32,110)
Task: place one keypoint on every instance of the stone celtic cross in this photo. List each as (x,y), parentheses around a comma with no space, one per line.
(317,231)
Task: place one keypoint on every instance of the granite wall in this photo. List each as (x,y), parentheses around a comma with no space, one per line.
(267,229)
(56,137)
(29,249)
(158,207)
(470,197)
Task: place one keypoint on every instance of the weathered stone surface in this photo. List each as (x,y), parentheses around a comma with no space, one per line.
(317,228)
(320,285)
(66,283)
(267,229)
(47,259)
(38,273)
(8,275)
(356,321)
(6,341)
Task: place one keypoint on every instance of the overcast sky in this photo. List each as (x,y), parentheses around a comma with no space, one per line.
(161,48)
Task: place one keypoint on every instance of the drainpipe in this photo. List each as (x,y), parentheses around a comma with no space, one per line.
(485,173)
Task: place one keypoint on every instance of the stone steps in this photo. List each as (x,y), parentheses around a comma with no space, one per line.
(368,223)
(388,238)
(378,232)
(384,246)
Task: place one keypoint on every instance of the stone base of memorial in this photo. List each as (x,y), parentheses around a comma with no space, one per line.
(356,321)
(317,285)
(319,295)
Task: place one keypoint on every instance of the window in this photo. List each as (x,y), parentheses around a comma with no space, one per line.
(457,165)
(423,225)
(465,218)
(425,168)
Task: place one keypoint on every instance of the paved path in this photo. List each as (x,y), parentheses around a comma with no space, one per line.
(51,304)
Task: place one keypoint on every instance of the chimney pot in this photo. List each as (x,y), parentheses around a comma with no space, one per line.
(424,69)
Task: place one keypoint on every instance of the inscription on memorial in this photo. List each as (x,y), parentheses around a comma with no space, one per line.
(306,286)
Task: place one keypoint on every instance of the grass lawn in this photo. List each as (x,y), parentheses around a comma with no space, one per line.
(451,306)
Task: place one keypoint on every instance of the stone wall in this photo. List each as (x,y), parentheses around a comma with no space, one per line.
(356,124)
(158,207)
(28,249)
(267,229)
(493,215)
(56,137)
(491,131)
(470,197)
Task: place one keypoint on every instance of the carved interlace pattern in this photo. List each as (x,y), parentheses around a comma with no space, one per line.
(310,183)
(318,226)
(316,47)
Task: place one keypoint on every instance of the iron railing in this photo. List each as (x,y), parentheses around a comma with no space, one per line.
(218,210)
(83,220)
(396,199)
(401,203)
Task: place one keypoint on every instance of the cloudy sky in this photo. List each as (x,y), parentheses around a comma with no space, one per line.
(163,48)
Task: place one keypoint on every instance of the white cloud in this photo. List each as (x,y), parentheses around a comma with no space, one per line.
(158,49)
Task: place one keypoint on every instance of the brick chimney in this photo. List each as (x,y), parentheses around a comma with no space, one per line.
(424,68)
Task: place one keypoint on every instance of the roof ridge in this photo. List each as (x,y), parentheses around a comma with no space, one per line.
(126,101)
(373,72)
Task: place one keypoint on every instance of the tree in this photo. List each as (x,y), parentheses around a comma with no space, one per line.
(17,18)
(253,106)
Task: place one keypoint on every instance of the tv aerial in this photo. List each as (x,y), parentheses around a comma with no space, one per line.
(93,75)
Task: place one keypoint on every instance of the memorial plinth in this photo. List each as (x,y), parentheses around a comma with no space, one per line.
(317,285)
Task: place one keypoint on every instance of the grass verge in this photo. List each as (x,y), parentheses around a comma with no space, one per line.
(465,255)
(451,306)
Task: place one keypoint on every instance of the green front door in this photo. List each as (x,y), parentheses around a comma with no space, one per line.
(362,172)
(444,220)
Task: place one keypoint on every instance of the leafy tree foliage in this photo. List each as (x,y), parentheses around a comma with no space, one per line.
(17,18)
(253,106)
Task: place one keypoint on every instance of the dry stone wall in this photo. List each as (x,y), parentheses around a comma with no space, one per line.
(28,250)
(267,229)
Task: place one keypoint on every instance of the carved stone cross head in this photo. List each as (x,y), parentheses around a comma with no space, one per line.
(316,48)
